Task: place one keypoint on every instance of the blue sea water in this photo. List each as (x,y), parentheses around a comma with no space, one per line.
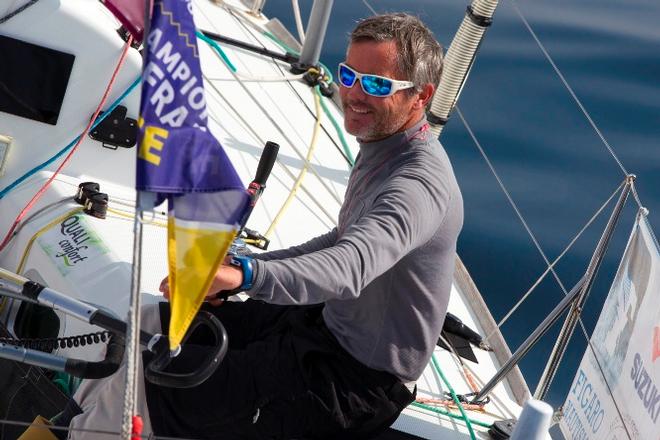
(555,166)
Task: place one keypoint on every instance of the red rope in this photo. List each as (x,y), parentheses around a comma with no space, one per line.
(43,189)
(136,430)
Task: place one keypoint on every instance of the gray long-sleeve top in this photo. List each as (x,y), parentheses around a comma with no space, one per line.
(385,272)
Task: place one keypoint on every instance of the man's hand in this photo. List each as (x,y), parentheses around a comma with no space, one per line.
(226,278)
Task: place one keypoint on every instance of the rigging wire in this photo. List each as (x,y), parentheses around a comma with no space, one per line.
(324,72)
(509,198)
(612,153)
(279,129)
(248,128)
(348,155)
(366,3)
(550,266)
(568,87)
(66,160)
(299,25)
(555,261)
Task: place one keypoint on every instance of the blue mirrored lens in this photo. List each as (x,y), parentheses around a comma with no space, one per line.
(376,86)
(346,76)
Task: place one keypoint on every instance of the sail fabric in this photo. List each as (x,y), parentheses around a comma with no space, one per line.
(626,344)
(181,161)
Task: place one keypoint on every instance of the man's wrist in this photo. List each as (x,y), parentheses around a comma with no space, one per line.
(245,264)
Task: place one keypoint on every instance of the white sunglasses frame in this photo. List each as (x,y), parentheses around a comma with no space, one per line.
(396,84)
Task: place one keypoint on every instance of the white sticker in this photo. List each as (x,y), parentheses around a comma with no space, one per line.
(73,246)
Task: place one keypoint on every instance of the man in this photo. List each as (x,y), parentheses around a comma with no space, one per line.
(337,329)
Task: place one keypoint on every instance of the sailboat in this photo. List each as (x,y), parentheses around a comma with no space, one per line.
(78,238)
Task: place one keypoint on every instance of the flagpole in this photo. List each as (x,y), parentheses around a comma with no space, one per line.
(143,200)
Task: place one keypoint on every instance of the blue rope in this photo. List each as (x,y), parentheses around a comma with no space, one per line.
(100,118)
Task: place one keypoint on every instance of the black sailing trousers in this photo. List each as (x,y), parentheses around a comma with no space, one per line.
(284,377)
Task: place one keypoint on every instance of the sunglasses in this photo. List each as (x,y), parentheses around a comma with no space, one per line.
(373,85)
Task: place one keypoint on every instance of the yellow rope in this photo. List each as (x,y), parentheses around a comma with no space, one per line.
(132,216)
(303,171)
(36,235)
(4,274)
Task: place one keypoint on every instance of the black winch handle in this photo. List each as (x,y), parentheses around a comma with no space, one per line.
(155,372)
(266,163)
(256,187)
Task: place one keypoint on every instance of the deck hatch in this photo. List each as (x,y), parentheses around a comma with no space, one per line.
(33,80)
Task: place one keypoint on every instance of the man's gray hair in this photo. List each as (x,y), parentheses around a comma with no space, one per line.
(419,53)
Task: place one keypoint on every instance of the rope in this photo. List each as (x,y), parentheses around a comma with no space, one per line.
(467,375)
(26,252)
(568,87)
(131,216)
(17,11)
(338,130)
(303,170)
(449,403)
(66,160)
(98,120)
(438,370)
(449,414)
(335,124)
(38,212)
(248,127)
(512,203)
(286,137)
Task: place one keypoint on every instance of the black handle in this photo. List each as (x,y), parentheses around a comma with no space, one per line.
(266,162)
(75,367)
(97,370)
(453,324)
(155,372)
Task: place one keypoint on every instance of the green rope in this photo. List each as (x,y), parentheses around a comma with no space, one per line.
(444,412)
(453,396)
(281,43)
(218,49)
(291,50)
(326,110)
(340,133)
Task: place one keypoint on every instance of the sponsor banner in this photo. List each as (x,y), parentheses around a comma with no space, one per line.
(616,392)
(74,247)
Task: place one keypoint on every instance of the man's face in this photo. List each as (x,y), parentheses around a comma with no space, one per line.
(370,118)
